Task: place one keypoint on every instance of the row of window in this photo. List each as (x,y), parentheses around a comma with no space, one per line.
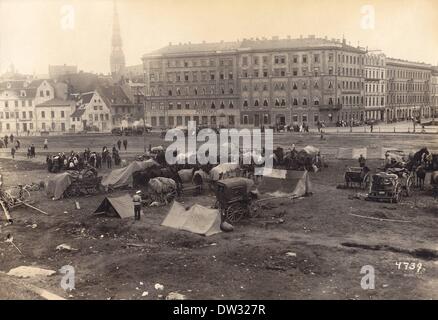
(180,120)
(407,99)
(374,101)
(183,63)
(404,86)
(16,114)
(16,103)
(373,87)
(96,117)
(192,76)
(52,114)
(187,105)
(406,74)
(374,74)
(195,91)
(24,126)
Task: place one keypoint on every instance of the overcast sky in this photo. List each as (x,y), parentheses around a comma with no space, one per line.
(36,33)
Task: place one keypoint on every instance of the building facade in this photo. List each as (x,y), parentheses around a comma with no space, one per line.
(434,92)
(255,83)
(375,86)
(18,101)
(408,90)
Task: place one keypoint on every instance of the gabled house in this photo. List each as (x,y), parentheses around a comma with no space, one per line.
(91,113)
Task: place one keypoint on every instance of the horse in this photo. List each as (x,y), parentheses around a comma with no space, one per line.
(420,173)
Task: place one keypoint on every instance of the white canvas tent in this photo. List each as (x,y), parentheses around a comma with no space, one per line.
(198,219)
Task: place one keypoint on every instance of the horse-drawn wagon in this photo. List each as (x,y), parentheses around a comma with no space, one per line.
(235,200)
(357,176)
(390,186)
(83,183)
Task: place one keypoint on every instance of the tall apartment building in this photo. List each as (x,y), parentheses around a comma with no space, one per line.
(255,82)
(408,89)
(434,92)
(375,86)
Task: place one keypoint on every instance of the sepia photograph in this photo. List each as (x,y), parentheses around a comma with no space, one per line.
(193,150)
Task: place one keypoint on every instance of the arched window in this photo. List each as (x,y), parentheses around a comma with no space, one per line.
(316,101)
(330,86)
(222,105)
(295,86)
(256,103)
(304,102)
(315,85)
(170,92)
(203,91)
(196,91)
(213,106)
(330,101)
(277,102)
(265,103)
(231,105)
(283,102)
(282,86)
(276,86)
(222,90)
(178,91)
(295,102)
(245,103)
(231,90)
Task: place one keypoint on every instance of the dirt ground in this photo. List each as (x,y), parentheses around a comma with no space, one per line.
(329,244)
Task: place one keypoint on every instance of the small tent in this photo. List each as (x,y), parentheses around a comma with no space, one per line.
(122,177)
(121,206)
(198,219)
(277,183)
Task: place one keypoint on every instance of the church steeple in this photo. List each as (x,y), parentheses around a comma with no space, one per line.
(117,57)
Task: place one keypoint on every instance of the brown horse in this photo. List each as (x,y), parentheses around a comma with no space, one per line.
(420,173)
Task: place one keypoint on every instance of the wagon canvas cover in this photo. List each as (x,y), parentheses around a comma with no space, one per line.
(58,184)
(198,219)
(277,182)
(122,177)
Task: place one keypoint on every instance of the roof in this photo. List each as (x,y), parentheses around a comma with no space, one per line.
(86,97)
(113,95)
(251,44)
(78,113)
(56,103)
(36,83)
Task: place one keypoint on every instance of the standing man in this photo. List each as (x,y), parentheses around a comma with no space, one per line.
(137,205)
(46,144)
(125,144)
(362,161)
(32,151)
(108,161)
(13,152)
(119,144)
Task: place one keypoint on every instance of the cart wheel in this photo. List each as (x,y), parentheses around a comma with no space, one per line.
(234,213)
(254,209)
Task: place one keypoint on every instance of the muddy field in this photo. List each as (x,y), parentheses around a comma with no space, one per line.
(317,251)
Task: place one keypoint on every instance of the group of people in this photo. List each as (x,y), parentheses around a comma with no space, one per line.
(78,161)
